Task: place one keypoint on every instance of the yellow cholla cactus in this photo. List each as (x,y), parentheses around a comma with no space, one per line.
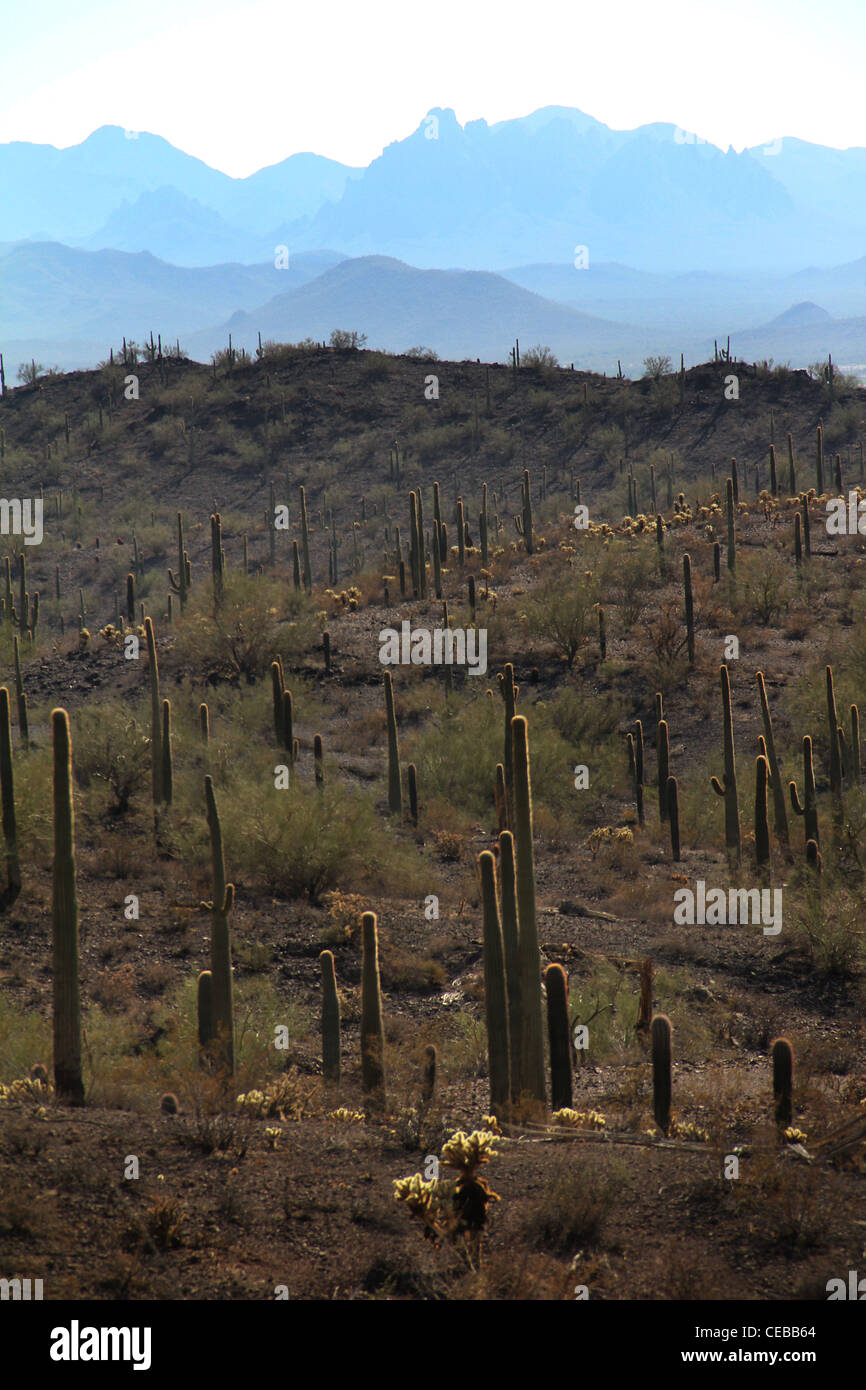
(579,1119)
(26,1088)
(794,1136)
(347,1117)
(684,1129)
(609,834)
(467,1152)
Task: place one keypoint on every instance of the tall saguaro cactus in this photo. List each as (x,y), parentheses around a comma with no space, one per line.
(68,1082)
(7,793)
(179,583)
(730,501)
(395,786)
(511,943)
(372,1031)
(762,827)
(808,808)
(556,983)
(729,790)
(526,506)
(779,808)
(305,543)
(783,1080)
(690,607)
(495,990)
(221,955)
(509,692)
(532,1040)
(660,1034)
(156,762)
(217,555)
(330,1019)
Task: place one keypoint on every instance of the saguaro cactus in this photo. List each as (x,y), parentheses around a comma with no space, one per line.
(167,775)
(511,943)
(532,1044)
(7,793)
(661,1055)
(634,774)
(663,759)
(783,1080)
(372,1031)
(762,828)
(690,608)
(556,983)
(729,790)
(330,1019)
(221,959)
(779,809)
(412,781)
(808,808)
(495,990)
(217,555)
(526,504)
(729,505)
(68,1082)
(179,584)
(673,804)
(155,715)
(509,692)
(395,788)
(305,543)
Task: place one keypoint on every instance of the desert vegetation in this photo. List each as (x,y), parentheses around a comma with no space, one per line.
(293,929)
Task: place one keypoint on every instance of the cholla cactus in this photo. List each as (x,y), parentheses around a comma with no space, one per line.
(579,1119)
(467,1152)
(456,1209)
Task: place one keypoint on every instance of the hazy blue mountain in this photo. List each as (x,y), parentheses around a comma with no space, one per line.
(174,228)
(804,334)
(522,191)
(535,188)
(55,291)
(459,314)
(59,195)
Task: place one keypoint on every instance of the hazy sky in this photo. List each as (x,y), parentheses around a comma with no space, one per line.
(243,83)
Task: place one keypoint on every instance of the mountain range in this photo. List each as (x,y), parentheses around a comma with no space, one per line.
(551,227)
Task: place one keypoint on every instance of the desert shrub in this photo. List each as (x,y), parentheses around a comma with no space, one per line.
(376,366)
(303,841)
(663,395)
(632,574)
(656,366)
(764,582)
(563,610)
(539,356)
(608,441)
(256,620)
(663,649)
(843,425)
(829,930)
(111,747)
(344,339)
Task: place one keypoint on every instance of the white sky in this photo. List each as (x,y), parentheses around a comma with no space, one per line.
(244,83)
